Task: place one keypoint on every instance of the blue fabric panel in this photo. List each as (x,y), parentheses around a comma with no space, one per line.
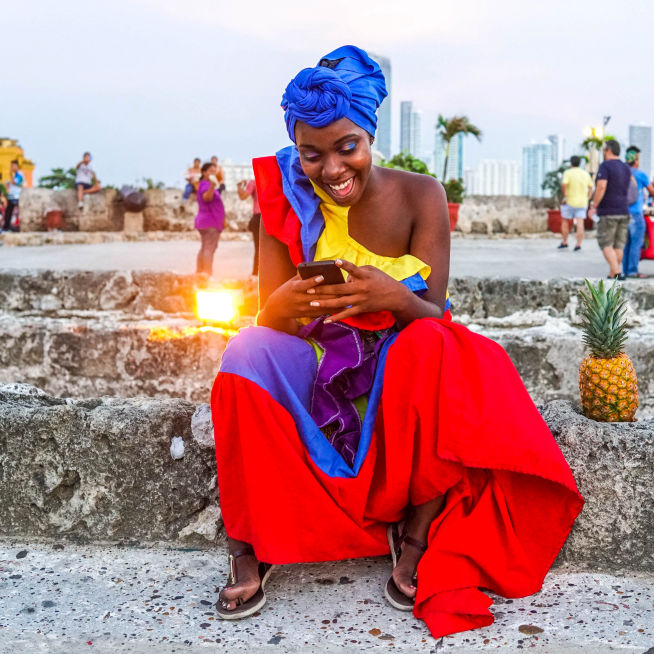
(285,366)
(302,198)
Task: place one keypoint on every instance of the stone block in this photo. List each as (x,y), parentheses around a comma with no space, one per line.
(101,470)
(134,222)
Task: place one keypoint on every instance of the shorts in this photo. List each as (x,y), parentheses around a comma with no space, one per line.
(84,185)
(612,231)
(569,213)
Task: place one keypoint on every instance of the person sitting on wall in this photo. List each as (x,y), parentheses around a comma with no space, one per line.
(219,177)
(16,184)
(85,179)
(192,177)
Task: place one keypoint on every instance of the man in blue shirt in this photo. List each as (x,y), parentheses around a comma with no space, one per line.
(637,225)
(610,203)
(16,182)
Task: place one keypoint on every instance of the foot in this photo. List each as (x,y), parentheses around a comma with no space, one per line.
(562,246)
(80,205)
(246,569)
(577,248)
(404,573)
(618,276)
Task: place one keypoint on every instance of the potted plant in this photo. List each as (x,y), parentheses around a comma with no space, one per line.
(454,191)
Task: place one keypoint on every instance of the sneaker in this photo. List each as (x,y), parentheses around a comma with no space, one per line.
(563,246)
(620,277)
(80,205)
(577,248)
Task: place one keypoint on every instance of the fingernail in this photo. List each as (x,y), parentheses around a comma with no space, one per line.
(311,291)
(326,322)
(338,262)
(319,279)
(314,303)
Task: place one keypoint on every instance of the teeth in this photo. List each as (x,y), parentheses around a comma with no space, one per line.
(340,187)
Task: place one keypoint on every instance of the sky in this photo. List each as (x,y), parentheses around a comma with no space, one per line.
(146,85)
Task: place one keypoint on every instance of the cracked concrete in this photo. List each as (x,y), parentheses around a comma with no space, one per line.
(69,599)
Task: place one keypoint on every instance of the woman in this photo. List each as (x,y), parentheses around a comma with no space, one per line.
(357,417)
(210,219)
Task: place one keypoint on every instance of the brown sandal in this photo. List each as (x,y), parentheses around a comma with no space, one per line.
(394,595)
(257,601)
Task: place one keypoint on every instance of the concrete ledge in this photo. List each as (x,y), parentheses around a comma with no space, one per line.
(31,239)
(103,470)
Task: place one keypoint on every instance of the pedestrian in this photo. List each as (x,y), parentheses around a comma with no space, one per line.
(249,190)
(636,233)
(219,177)
(577,187)
(210,219)
(192,178)
(85,179)
(610,203)
(16,183)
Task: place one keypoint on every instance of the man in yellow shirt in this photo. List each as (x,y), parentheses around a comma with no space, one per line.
(577,187)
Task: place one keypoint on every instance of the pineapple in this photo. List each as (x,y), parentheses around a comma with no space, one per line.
(607,379)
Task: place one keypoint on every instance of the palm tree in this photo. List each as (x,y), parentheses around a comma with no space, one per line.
(450,127)
(58,179)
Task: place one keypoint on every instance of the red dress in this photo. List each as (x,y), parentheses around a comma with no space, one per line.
(453,417)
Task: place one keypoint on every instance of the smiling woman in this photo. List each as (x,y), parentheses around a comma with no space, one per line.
(357,418)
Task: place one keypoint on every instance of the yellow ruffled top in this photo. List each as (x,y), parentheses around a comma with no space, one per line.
(335,242)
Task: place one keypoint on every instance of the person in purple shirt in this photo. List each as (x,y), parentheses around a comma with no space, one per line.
(610,203)
(637,225)
(210,219)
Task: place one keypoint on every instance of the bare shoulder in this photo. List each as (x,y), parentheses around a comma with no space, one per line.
(416,189)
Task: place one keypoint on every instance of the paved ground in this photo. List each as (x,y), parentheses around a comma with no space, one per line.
(99,600)
(528,258)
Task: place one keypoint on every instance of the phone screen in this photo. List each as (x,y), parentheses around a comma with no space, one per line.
(328,269)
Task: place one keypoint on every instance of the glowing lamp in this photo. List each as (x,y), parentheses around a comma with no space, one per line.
(215,306)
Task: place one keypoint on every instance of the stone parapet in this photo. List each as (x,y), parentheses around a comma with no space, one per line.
(112,469)
(503,214)
(165,210)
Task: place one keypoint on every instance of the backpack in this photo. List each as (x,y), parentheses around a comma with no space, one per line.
(632,191)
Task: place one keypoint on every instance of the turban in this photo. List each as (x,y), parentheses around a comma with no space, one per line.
(346,83)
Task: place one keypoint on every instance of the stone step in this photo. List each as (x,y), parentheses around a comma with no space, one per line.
(111,354)
(134,292)
(160,601)
(143,470)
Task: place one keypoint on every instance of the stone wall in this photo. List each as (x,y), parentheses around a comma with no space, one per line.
(86,334)
(503,214)
(167,211)
(112,469)
(103,211)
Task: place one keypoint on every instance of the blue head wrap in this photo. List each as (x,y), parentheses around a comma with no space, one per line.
(346,83)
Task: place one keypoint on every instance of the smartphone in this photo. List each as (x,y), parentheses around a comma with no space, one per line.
(328,269)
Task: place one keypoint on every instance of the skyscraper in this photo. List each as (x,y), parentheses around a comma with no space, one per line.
(493,177)
(641,137)
(410,129)
(558,150)
(537,159)
(455,159)
(383,136)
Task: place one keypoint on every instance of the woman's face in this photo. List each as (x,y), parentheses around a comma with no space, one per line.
(211,170)
(337,158)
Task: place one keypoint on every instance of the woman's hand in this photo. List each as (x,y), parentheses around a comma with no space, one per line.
(367,289)
(294,299)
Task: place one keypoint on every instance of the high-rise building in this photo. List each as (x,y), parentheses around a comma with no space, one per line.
(410,129)
(383,135)
(558,150)
(538,158)
(234,172)
(641,137)
(493,177)
(454,160)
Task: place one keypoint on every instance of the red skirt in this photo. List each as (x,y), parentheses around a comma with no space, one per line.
(454,419)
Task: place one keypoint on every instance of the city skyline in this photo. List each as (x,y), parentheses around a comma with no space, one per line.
(198,80)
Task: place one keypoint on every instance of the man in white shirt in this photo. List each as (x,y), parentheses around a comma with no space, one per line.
(85,179)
